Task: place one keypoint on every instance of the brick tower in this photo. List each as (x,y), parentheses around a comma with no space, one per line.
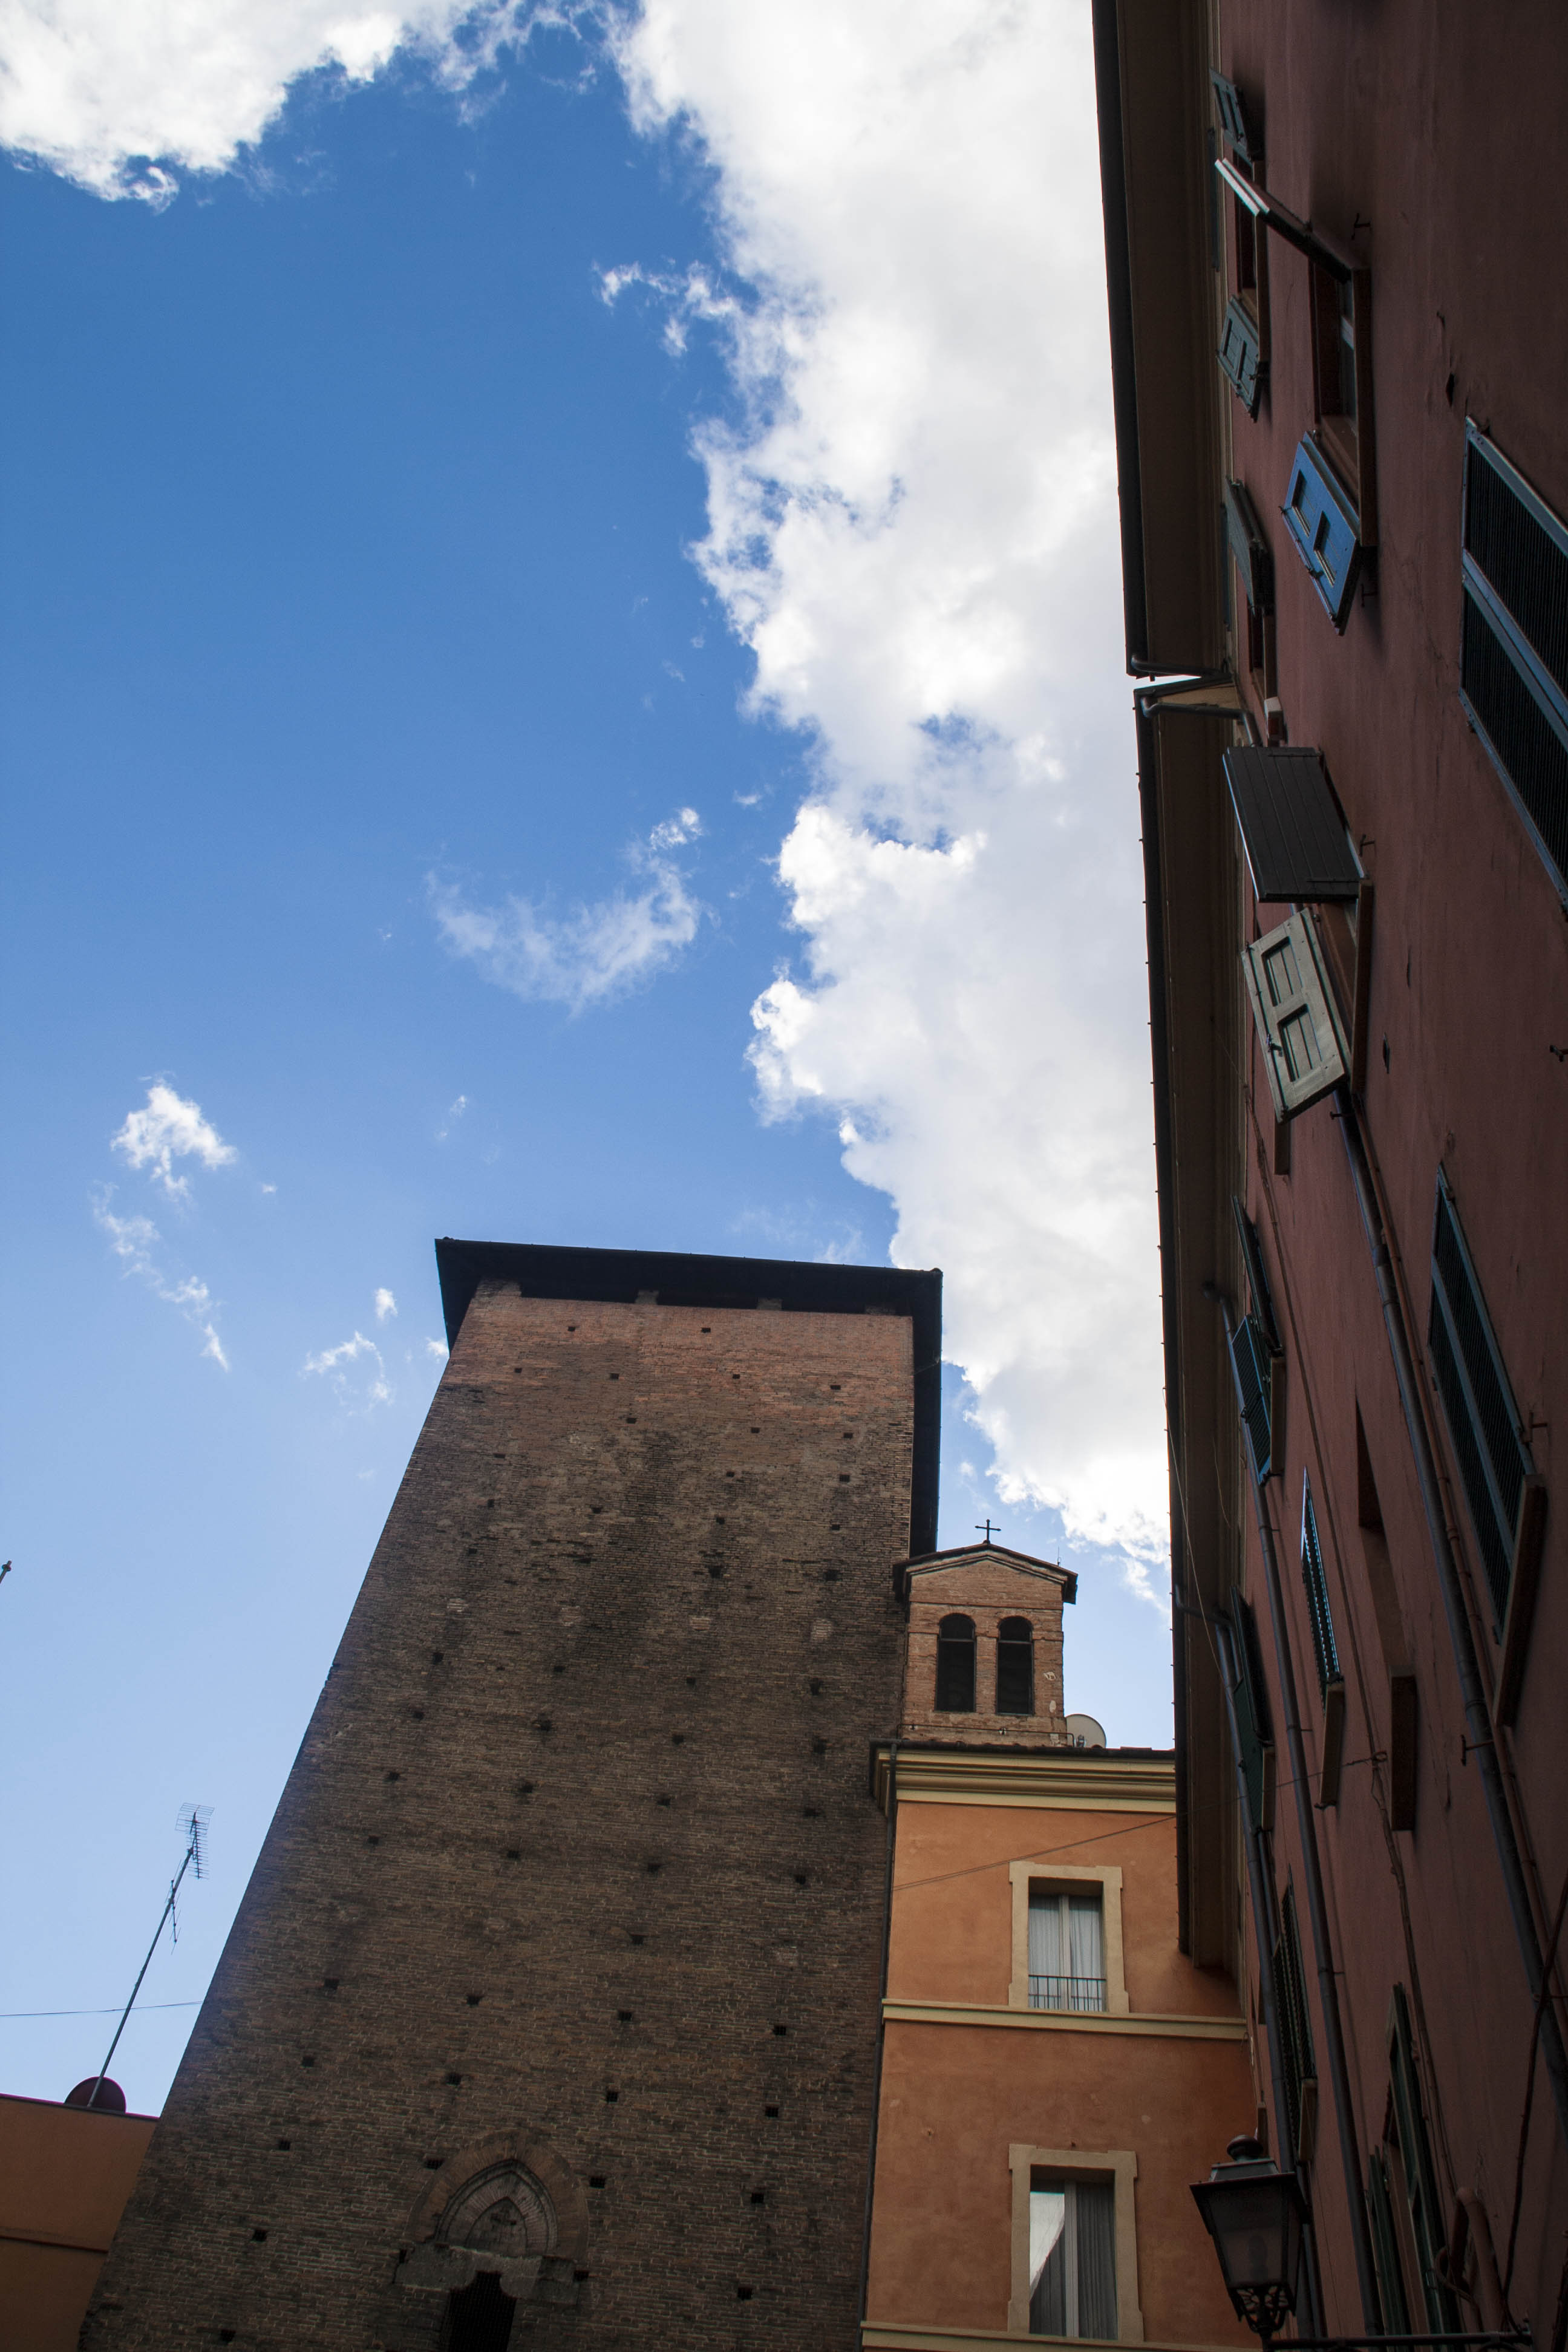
(549,2016)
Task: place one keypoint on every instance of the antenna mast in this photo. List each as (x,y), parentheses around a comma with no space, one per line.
(194,1820)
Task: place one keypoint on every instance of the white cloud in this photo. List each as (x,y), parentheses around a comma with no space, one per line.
(367,1388)
(438,1348)
(914,528)
(386,1304)
(595,953)
(122,96)
(454,1113)
(170,1128)
(912,525)
(138,1244)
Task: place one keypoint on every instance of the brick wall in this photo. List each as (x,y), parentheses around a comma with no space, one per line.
(986,1583)
(577,1857)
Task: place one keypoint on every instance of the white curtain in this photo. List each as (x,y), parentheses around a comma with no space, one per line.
(1066,1946)
(1072,2260)
(1048,2262)
(1086,1940)
(1046,1957)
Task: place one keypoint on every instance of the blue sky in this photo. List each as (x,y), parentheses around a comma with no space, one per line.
(549,692)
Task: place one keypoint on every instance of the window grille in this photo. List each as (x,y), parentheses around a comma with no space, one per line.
(955,1665)
(1295,2021)
(1514,651)
(1315,1579)
(1067,1951)
(1072,2258)
(1015,1666)
(1494,1461)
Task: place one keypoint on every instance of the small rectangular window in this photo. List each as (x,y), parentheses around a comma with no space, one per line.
(1305,1052)
(1072,2257)
(1513,657)
(1314,1577)
(1067,1950)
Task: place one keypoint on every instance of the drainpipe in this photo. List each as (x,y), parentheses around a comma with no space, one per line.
(1479,1738)
(1327,1989)
(881,2023)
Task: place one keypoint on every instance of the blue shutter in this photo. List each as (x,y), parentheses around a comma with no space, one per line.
(1320,520)
(1254,1362)
(1240,355)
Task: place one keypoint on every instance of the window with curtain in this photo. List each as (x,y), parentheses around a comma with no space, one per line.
(955,1666)
(1067,1950)
(1072,2257)
(1015,1666)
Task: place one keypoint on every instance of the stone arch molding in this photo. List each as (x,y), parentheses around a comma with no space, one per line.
(509,2205)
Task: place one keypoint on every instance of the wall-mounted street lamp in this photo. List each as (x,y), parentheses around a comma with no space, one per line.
(1253,2212)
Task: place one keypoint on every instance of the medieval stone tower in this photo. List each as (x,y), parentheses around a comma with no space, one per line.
(550,2014)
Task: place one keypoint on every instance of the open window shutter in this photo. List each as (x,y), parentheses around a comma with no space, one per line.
(1253,1360)
(1298,850)
(1233,119)
(1304,1052)
(1257,1274)
(1254,1723)
(1241,355)
(1320,520)
(1254,561)
(1420,2180)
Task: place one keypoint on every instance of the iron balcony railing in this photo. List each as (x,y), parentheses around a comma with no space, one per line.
(1067,1993)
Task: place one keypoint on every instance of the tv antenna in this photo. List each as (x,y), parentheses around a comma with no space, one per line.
(194,1820)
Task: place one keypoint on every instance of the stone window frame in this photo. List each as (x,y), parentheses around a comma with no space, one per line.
(1065,1877)
(1117,2164)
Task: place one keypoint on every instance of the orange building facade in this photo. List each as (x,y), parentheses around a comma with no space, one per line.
(64,2174)
(1055,2072)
